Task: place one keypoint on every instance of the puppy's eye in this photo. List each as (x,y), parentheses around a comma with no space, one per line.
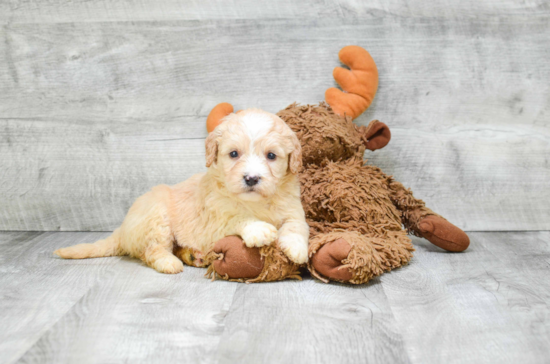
(234,154)
(271,156)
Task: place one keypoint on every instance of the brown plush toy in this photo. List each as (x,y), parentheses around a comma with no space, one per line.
(359,217)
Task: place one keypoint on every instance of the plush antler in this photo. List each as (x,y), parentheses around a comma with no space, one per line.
(359,83)
(217,114)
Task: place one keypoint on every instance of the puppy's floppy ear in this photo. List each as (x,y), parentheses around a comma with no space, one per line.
(295,157)
(211,143)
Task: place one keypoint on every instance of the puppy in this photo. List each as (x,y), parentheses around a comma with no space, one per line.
(251,189)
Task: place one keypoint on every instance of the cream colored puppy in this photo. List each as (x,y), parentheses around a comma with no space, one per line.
(251,189)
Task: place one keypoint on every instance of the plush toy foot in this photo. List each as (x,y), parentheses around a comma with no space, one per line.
(231,259)
(442,233)
(328,260)
(236,260)
(350,257)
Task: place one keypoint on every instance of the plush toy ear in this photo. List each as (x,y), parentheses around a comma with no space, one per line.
(376,135)
(217,114)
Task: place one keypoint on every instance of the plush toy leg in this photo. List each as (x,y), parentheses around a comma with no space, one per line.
(232,260)
(423,222)
(442,233)
(348,256)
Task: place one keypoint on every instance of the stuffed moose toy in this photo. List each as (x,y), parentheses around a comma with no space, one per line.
(359,217)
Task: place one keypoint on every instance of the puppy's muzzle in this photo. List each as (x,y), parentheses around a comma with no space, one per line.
(251,180)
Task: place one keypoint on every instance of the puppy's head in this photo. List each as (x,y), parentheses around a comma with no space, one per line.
(252,153)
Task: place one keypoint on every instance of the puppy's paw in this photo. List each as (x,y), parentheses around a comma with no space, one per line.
(295,247)
(258,234)
(168,264)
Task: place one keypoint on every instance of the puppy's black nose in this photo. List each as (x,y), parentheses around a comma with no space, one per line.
(251,180)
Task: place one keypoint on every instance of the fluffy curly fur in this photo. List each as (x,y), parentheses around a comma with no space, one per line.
(251,189)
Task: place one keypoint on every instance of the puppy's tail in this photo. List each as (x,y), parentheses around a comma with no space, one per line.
(102,248)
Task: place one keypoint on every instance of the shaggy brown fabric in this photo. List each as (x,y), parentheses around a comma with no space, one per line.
(233,260)
(322,133)
(277,265)
(412,209)
(369,256)
(348,191)
(357,204)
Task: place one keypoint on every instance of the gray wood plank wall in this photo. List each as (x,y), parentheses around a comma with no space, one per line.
(99,101)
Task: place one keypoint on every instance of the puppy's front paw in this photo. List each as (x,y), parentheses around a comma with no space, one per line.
(168,264)
(259,233)
(295,247)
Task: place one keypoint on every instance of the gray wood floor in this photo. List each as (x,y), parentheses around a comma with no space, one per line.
(489,304)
